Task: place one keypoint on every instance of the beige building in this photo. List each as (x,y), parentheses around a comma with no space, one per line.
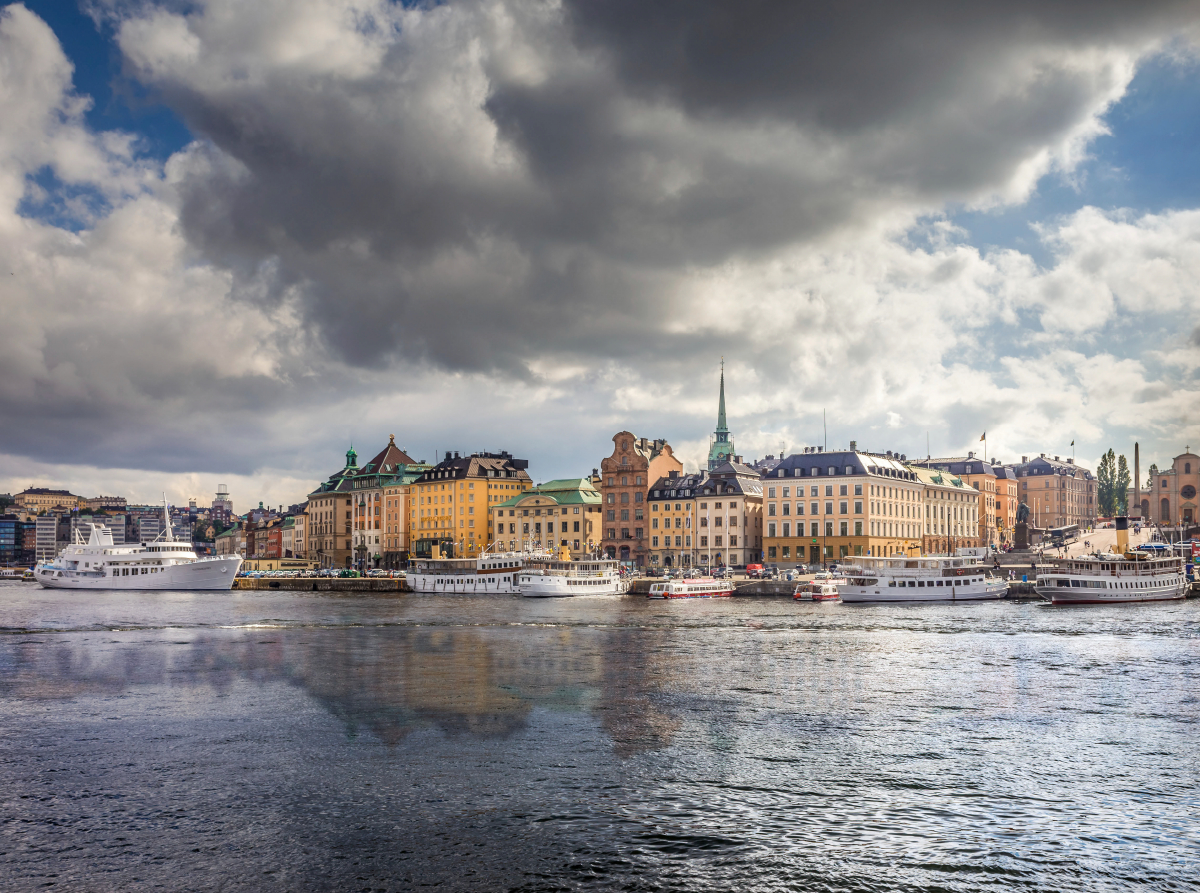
(626,475)
(553,515)
(1008,499)
(980,476)
(825,506)
(1058,492)
(330,524)
(950,512)
(1172,497)
(43,499)
(729,506)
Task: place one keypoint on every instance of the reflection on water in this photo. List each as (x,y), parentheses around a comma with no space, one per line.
(384,681)
(325,743)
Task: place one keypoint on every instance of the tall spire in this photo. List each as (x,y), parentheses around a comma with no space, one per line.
(721,426)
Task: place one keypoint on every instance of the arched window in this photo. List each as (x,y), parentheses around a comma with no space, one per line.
(1166,510)
(1187,467)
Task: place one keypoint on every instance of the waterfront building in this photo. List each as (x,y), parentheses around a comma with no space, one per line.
(728,515)
(551,515)
(825,506)
(331,512)
(720,443)
(626,476)
(380,520)
(1058,492)
(44,499)
(1171,498)
(671,503)
(981,477)
(231,541)
(47,539)
(949,510)
(451,502)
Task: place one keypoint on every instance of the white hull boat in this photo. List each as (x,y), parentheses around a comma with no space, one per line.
(936,578)
(1114,578)
(565,578)
(162,564)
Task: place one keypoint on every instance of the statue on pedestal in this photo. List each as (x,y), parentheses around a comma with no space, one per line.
(1021,531)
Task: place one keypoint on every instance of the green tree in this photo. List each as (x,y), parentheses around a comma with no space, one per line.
(1106,478)
(200,532)
(1121,486)
(1150,476)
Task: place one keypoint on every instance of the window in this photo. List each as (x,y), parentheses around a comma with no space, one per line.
(816,509)
(704,541)
(842,507)
(858,490)
(654,542)
(611,515)
(770,492)
(844,528)
(799,508)
(624,514)
(829,528)
(842,490)
(858,506)
(771,529)
(829,508)
(828,489)
(858,529)
(771,509)
(786,494)
(787,528)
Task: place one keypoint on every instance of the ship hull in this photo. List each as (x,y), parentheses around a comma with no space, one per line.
(903,595)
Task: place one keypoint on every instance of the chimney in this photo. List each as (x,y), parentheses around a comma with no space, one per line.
(456,454)
(1070,461)
(1024,460)
(889,454)
(854,446)
(673,474)
(1056,459)
(970,454)
(449,455)
(903,458)
(1136,508)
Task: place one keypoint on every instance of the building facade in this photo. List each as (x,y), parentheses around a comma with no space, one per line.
(981,477)
(451,502)
(728,513)
(1171,499)
(950,512)
(44,499)
(331,517)
(626,476)
(556,514)
(380,487)
(16,535)
(670,503)
(103,504)
(826,506)
(1008,499)
(1058,492)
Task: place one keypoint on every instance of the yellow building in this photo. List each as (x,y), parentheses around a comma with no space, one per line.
(42,499)
(330,511)
(556,514)
(451,503)
(981,477)
(672,503)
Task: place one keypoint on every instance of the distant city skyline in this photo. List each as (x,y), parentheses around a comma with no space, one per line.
(235,244)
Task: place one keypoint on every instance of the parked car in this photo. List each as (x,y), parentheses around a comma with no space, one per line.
(754,571)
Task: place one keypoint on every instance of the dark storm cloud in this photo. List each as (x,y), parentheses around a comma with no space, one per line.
(660,138)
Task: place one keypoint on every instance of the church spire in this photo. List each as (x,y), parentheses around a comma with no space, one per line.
(721,426)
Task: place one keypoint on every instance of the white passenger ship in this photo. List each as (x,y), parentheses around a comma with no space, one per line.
(559,577)
(691,588)
(1114,578)
(162,564)
(935,578)
(490,573)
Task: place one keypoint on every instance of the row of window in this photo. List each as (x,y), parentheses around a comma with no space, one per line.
(537,527)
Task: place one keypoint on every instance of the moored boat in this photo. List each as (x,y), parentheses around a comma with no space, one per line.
(556,578)
(821,588)
(691,587)
(1114,578)
(933,578)
(164,564)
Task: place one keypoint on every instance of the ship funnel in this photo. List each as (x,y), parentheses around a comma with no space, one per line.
(1122,525)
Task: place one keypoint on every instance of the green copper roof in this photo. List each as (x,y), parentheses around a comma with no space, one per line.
(721,426)
(568,491)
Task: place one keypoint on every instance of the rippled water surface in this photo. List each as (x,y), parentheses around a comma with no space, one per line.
(307,741)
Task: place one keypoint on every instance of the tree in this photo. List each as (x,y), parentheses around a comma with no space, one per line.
(1121,486)
(1106,478)
(1150,476)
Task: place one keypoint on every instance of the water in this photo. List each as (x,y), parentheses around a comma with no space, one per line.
(297,741)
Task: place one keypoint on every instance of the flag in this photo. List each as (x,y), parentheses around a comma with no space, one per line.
(1072,443)
(984,436)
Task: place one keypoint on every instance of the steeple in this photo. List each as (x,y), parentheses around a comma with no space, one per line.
(720,444)
(351,458)
(721,426)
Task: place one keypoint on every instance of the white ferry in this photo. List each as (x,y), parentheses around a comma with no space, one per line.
(162,564)
(935,578)
(562,577)
(691,588)
(490,573)
(1114,578)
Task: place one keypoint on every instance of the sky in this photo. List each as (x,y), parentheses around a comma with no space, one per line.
(236,239)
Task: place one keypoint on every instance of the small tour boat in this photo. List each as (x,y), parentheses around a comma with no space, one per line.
(696,587)
(821,588)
